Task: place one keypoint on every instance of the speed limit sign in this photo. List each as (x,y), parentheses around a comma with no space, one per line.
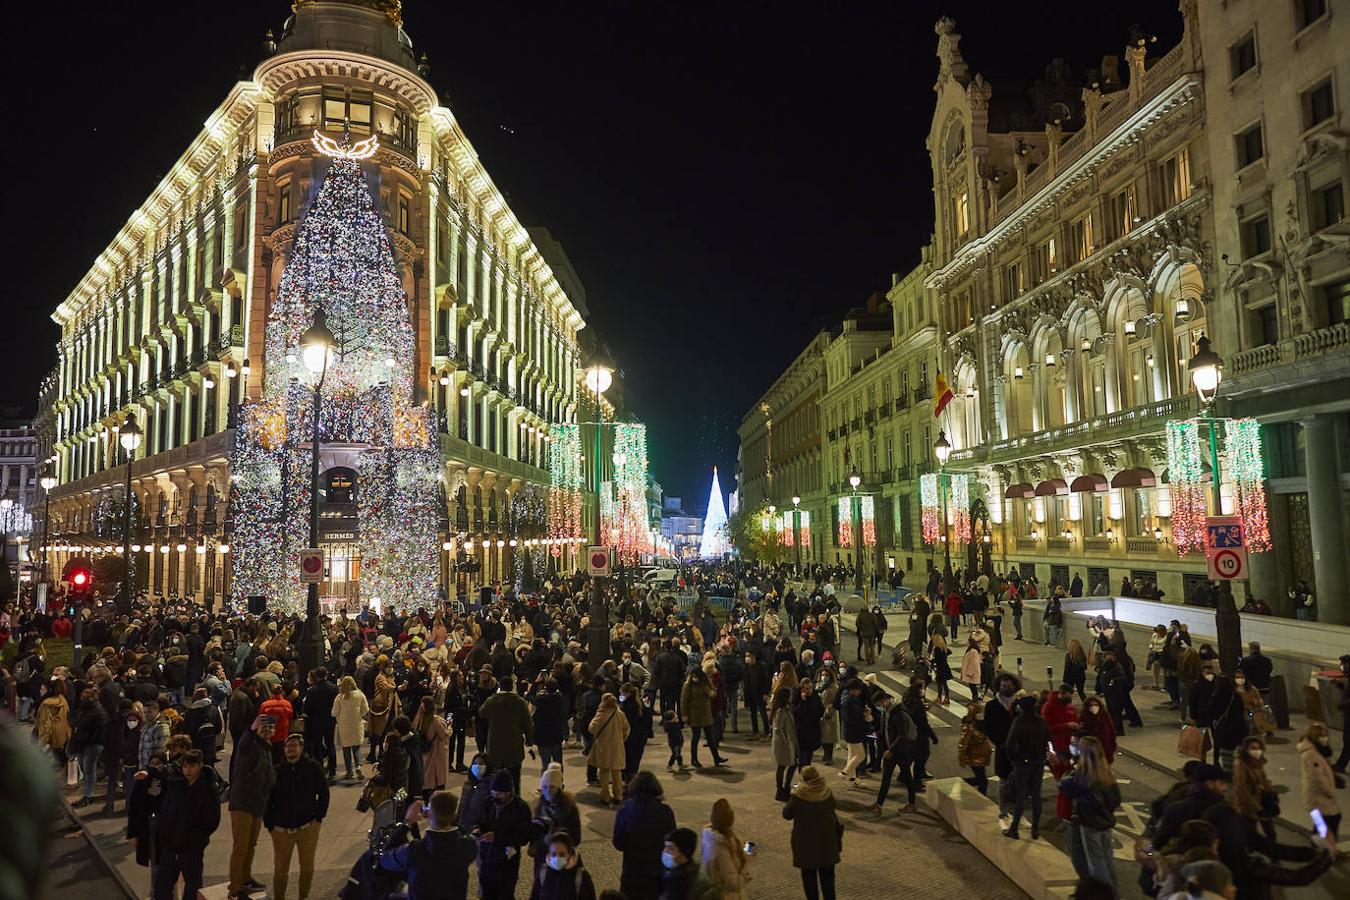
(311,566)
(597,560)
(1228,563)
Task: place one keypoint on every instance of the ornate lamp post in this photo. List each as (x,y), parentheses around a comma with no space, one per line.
(797,531)
(942,449)
(317,345)
(599,377)
(855,479)
(48,481)
(129,436)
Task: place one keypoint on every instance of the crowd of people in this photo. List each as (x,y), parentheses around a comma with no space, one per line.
(160,693)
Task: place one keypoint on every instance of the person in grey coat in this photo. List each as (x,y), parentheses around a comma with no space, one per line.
(786,751)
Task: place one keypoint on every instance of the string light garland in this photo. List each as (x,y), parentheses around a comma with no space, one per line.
(804,528)
(930,512)
(565,488)
(1244,463)
(785,535)
(1187,480)
(960,507)
(342,262)
(869,520)
(629,509)
(845,522)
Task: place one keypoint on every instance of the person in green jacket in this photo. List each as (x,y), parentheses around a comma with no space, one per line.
(510,728)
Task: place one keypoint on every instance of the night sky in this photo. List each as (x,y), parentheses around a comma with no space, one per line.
(726,178)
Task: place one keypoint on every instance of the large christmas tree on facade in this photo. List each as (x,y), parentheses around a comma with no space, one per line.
(714,543)
(342,262)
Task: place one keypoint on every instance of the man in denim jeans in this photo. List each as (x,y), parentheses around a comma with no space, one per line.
(1053,622)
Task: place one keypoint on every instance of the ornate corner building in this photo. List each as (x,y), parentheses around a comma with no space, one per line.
(167,326)
(1086,234)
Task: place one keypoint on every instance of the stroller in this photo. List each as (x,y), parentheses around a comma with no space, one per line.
(367,880)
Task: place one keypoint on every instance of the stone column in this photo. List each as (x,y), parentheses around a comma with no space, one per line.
(1324,514)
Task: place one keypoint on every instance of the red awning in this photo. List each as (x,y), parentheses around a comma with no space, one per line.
(1021,491)
(1052,487)
(1134,478)
(1094,482)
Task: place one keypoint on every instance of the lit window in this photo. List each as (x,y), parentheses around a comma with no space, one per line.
(962,203)
(1176,174)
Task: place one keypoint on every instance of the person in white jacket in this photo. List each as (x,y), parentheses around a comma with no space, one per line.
(350,708)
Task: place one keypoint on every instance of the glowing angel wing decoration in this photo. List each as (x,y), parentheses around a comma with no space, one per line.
(362,149)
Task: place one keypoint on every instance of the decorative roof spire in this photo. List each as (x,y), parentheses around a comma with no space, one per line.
(950,62)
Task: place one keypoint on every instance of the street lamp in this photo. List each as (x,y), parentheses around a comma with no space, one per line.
(48,481)
(317,345)
(599,377)
(1206,368)
(942,449)
(797,531)
(129,436)
(854,479)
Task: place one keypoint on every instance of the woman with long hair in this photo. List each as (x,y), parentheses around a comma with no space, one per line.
(349,715)
(1088,800)
(1319,778)
(456,706)
(783,724)
(942,669)
(786,676)
(971,667)
(434,735)
(724,856)
(1252,794)
(1075,668)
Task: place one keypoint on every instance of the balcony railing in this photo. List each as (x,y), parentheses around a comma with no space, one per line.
(923,393)
(1102,428)
(1097,544)
(1142,545)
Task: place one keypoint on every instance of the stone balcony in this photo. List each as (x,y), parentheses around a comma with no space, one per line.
(1300,346)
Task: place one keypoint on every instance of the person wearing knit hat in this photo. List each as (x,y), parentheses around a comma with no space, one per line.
(553,810)
(815,832)
(503,827)
(724,859)
(683,876)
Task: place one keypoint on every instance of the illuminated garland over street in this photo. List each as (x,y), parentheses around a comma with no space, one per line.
(1242,461)
(930,510)
(565,484)
(805,528)
(1187,480)
(845,522)
(630,492)
(785,536)
(342,262)
(960,507)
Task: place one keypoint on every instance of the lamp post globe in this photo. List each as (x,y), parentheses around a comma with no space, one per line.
(599,376)
(1206,368)
(317,343)
(129,436)
(942,448)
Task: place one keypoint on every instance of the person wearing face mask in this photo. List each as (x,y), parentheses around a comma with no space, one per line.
(807,711)
(561,876)
(554,811)
(1320,781)
(435,861)
(683,878)
(1252,793)
(998,716)
(1253,705)
(503,827)
(1062,718)
(1096,723)
(475,792)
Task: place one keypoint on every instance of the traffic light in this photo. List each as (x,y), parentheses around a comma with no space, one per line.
(81,581)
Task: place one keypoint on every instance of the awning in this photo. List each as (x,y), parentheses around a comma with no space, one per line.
(1021,491)
(1094,482)
(1052,487)
(1134,478)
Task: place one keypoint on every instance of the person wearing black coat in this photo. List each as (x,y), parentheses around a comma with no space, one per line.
(1228,721)
(550,720)
(474,794)
(668,671)
(503,828)
(755,687)
(998,717)
(1253,858)
(638,712)
(188,813)
(434,863)
(295,812)
(1026,746)
(807,712)
(86,741)
(319,722)
(640,830)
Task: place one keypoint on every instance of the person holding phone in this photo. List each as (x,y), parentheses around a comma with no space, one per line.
(1320,781)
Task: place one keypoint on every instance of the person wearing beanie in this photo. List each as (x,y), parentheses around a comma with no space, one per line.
(684,878)
(554,810)
(816,833)
(724,858)
(502,829)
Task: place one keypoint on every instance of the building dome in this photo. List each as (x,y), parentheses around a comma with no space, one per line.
(370,27)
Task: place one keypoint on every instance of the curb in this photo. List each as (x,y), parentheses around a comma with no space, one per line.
(128,891)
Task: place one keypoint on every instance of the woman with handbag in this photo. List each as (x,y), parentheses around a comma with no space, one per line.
(1087,802)
(610,729)
(817,834)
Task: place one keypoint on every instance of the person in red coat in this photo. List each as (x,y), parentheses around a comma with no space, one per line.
(1062,718)
(1097,723)
(281,711)
(953,610)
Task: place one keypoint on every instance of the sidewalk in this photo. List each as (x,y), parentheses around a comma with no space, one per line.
(1154,745)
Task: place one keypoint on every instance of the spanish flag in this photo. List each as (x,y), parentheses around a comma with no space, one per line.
(942,392)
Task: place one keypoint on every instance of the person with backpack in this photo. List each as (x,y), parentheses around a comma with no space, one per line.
(1087,802)
(434,863)
(202,723)
(900,737)
(561,875)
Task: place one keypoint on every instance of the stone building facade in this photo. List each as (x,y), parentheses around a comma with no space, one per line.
(167,326)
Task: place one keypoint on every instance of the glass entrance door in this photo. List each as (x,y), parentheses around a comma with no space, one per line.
(342,573)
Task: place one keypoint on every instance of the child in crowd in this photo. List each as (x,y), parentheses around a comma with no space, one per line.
(670,721)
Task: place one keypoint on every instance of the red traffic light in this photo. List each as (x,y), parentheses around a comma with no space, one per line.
(79,579)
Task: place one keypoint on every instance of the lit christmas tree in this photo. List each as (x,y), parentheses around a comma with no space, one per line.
(714,543)
(342,262)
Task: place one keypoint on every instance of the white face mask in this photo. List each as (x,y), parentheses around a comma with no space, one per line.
(557,863)
(1094,709)
(477,770)
(1209,676)
(1256,753)
(668,859)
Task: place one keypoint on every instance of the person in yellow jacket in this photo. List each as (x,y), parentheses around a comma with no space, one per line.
(610,729)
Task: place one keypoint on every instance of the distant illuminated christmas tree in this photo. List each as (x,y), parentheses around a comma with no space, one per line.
(715,542)
(342,262)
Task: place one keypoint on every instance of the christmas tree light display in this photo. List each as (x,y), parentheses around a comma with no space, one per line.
(714,543)
(845,522)
(1243,462)
(343,263)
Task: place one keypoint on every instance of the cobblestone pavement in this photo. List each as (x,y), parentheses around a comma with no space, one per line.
(881,856)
